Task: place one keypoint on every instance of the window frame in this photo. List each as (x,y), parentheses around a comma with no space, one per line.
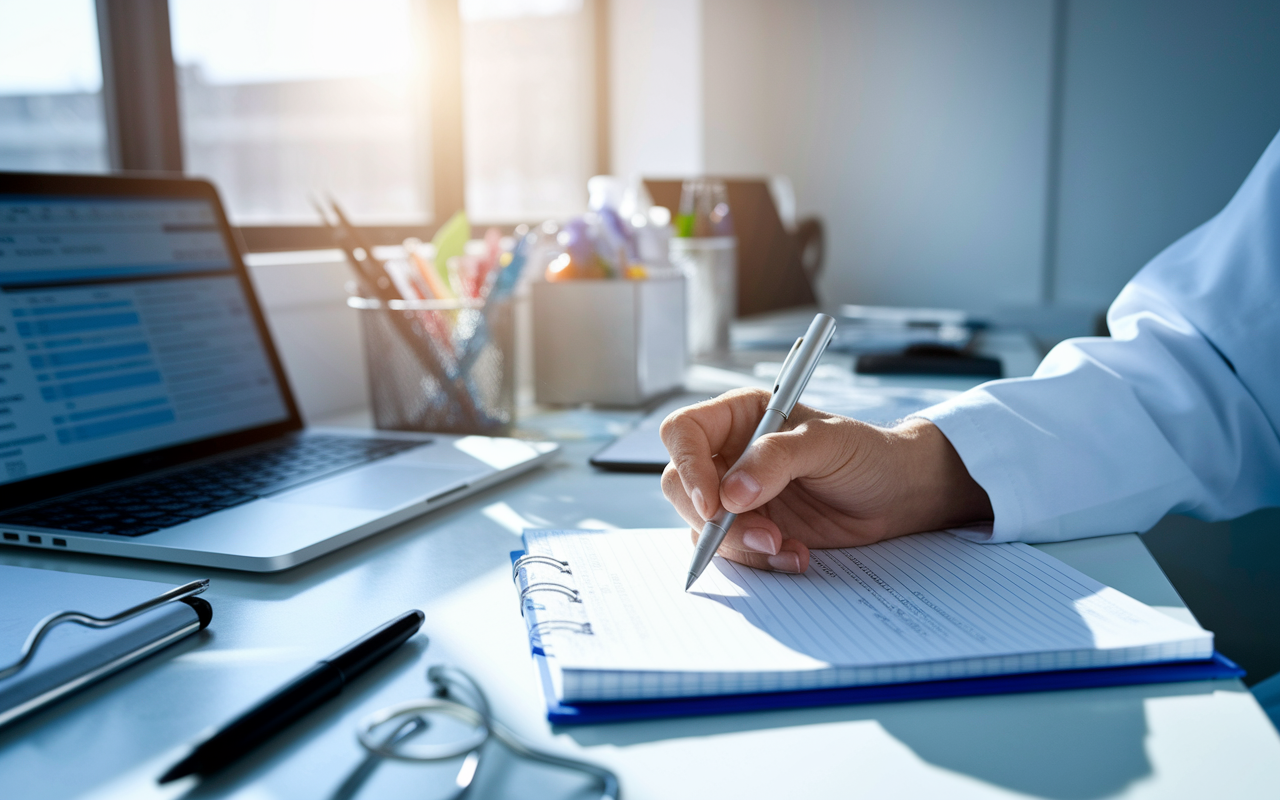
(140,104)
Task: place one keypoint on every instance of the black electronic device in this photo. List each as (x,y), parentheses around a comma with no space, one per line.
(929,359)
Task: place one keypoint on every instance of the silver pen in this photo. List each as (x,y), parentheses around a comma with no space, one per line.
(792,378)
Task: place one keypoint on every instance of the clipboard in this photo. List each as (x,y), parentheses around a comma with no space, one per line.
(105,625)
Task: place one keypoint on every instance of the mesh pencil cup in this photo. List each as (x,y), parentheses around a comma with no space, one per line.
(446,366)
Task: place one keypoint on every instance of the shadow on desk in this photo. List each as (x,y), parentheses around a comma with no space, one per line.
(1062,745)
(1229,575)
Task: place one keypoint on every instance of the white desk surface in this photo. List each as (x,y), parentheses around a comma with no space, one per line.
(1187,740)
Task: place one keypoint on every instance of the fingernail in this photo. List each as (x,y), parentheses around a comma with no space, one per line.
(699,503)
(741,488)
(759,540)
(785,562)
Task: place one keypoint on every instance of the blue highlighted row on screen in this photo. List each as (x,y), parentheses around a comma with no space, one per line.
(92,322)
(40,311)
(24,441)
(16,277)
(68,391)
(110,427)
(80,416)
(64,374)
(73,357)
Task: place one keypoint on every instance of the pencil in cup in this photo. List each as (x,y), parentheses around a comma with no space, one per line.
(408,394)
(475,342)
(425,353)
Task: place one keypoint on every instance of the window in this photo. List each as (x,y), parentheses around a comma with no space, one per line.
(281,99)
(51,87)
(529,110)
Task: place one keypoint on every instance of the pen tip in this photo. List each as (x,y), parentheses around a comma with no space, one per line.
(182,769)
(178,771)
(689,582)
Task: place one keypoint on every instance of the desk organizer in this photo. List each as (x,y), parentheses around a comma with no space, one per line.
(608,342)
(446,366)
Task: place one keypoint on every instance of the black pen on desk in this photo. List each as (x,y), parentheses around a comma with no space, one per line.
(309,690)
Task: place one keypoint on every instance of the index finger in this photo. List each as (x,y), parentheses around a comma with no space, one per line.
(695,434)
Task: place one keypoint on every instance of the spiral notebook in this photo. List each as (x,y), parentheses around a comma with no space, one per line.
(613,629)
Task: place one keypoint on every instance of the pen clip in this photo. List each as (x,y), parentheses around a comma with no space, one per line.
(786,364)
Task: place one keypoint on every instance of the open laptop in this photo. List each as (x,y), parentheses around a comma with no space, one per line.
(143,409)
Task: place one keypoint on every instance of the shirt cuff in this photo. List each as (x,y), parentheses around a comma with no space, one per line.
(966,420)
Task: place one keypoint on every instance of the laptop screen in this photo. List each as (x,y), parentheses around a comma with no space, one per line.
(124,328)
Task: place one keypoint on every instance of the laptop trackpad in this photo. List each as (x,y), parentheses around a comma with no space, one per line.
(380,487)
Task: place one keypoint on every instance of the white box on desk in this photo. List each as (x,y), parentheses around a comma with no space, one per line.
(609,342)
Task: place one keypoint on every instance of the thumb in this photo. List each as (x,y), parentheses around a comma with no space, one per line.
(776,459)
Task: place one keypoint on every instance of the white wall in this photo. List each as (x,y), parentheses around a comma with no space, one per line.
(1167,105)
(656,87)
(917,129)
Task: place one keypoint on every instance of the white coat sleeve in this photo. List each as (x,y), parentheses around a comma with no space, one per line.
(1177,412)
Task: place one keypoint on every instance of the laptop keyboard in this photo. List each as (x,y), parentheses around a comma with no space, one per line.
(149,504)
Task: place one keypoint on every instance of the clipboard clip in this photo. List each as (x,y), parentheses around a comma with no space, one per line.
(43,627)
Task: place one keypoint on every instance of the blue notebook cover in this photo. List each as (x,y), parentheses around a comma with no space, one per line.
(559,713)
(594,713)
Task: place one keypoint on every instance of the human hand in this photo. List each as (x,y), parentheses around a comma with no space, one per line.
(824,481)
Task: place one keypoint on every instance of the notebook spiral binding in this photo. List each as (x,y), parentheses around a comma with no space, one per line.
(538,558)
(549,586)
(521,578)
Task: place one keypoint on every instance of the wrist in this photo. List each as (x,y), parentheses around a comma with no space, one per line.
(940,492)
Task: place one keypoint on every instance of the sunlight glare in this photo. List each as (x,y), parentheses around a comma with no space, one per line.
(251,41)
(49,47)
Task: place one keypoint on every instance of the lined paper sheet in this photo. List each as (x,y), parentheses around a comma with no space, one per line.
(922,607)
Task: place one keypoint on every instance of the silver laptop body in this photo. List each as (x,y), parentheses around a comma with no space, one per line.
(133,353)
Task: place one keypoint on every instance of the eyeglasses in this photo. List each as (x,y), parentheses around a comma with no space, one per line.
(458,712)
